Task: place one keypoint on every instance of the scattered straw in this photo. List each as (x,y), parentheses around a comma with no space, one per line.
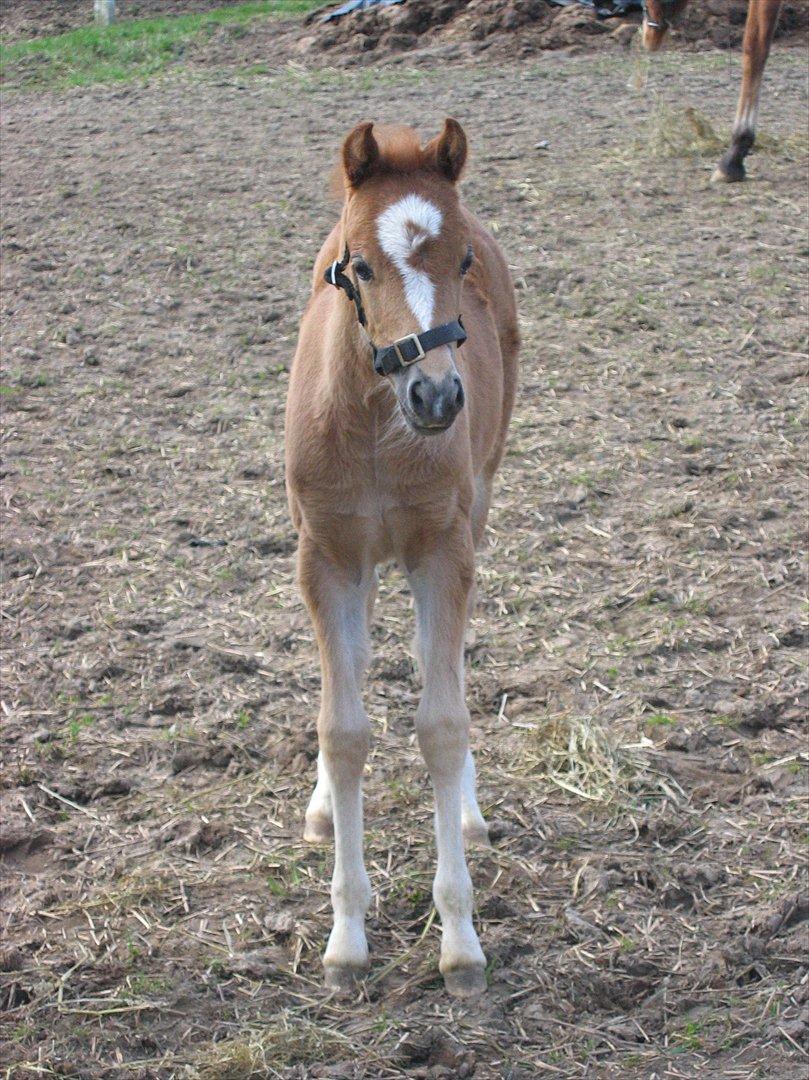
(683,133)
(290,1041)
(583,758)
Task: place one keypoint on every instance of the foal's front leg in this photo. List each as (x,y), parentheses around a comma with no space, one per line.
(338,607)
(441,585)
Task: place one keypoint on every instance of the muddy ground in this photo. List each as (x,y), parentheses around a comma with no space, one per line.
(644,911)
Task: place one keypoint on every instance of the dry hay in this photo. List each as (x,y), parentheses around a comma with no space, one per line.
(683,133)
(583,758)
(285,1040)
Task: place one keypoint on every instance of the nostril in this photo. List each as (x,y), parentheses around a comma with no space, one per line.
(416,395)
(459,394)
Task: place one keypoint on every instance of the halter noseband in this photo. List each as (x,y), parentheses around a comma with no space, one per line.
(407,350)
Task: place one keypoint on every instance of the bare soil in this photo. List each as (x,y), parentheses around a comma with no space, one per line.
(644,579)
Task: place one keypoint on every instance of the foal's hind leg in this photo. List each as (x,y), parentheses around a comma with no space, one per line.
(441,585)
(338,607)
(475,830)
(762,16)
(319,822)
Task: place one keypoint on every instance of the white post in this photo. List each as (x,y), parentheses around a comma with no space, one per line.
(105,12)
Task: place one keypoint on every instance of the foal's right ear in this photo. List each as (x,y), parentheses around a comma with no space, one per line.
(360,154)
(448,150)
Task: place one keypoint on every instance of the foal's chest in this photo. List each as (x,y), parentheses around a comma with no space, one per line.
(376,506)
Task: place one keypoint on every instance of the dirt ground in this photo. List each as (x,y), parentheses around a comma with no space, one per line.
(642,595)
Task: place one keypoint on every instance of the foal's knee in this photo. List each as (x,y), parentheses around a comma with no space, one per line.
(443,737)
(345,742)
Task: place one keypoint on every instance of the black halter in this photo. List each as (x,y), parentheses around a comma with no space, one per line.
(407,350)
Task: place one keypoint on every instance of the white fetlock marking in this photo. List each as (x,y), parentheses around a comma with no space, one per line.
(473,821)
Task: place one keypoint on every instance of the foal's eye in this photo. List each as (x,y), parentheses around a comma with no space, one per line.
(363,270)
(467,262)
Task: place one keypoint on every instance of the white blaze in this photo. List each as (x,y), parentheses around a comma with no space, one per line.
(402,228)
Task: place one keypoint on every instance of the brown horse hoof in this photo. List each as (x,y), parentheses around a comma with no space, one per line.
(465,982)
(342,978)
(721,177)
(318,830)
(730,169)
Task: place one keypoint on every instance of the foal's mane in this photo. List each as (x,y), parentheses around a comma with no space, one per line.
(400,153)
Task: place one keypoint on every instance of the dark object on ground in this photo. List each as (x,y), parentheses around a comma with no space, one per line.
(605,9)
(357,5)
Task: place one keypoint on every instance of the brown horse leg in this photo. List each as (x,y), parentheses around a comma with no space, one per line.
(762,16)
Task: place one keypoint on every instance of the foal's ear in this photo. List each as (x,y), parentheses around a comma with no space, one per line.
(360,154)
(449,150)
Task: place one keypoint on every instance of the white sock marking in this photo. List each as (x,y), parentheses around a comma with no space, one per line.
(402,228)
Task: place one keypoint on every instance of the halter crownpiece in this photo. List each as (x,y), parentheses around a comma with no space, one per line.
(407,350)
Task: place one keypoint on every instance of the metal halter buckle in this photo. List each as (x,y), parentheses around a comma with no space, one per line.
(419,356)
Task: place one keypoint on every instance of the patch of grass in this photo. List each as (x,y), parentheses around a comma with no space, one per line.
(660,720)
(126,50)
(77,724)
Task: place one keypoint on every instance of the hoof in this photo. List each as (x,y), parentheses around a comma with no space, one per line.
(318,830)
(344,978)
(720,177)
(465,982)
(477,833)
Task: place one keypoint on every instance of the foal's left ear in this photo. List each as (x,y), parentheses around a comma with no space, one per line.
(449,149)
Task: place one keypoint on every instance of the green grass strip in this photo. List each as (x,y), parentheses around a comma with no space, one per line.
(126,50)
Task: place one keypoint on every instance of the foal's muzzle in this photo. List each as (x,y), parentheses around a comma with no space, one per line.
(431,405)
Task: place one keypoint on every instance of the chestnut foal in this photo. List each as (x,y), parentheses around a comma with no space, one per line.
(393,435)
(762,17)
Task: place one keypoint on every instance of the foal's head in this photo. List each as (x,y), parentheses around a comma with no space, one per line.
(657,18)
(409,247)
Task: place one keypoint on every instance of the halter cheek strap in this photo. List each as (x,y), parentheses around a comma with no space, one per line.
(407,350)
(335,275)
